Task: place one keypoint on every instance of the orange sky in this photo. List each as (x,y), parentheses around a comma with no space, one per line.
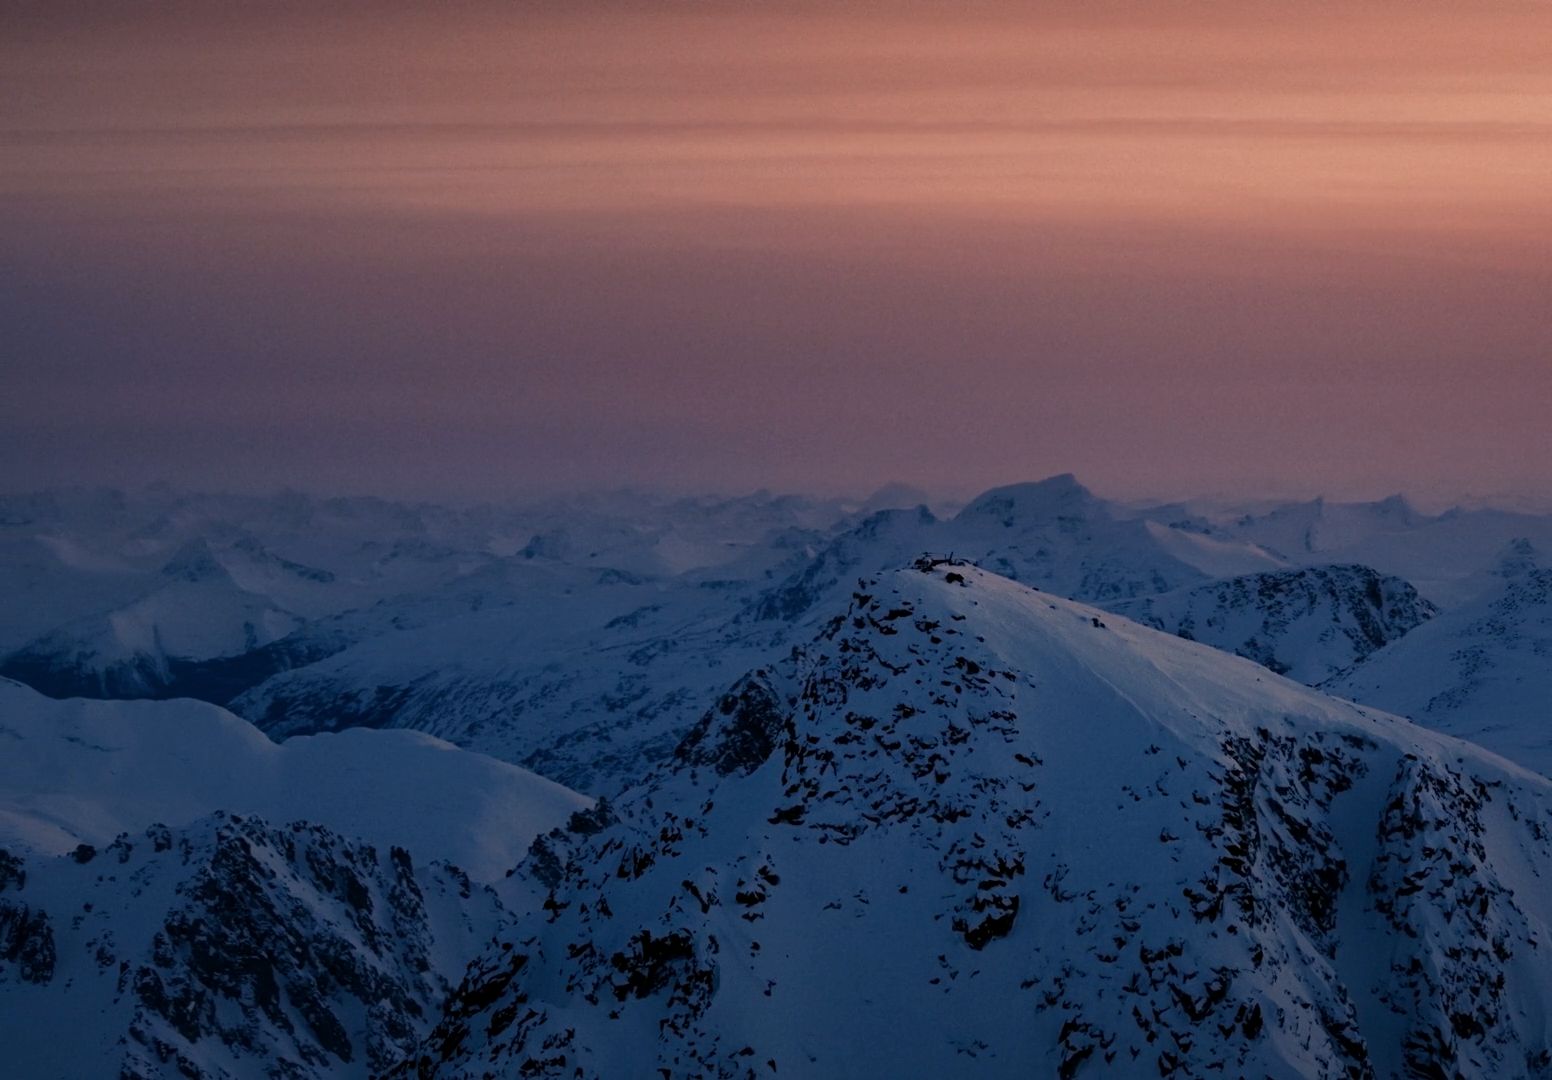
(1323,227)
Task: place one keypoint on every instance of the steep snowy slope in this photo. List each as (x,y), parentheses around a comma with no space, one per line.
(975,829)
(1307,624)
(1482,671)
(1212,556)
(228,948)
(81,771)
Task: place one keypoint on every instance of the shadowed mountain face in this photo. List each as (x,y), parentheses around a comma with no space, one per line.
(974,828)
(1309,624)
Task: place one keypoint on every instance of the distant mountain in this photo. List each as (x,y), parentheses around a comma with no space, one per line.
(589,681)
(1307,624)
(164,595)
(976,829)
(193,626)
(895,496)
(1058,535)
(1321,526)
(1443,555)
(1482,671)
(587,686)
(1055,534)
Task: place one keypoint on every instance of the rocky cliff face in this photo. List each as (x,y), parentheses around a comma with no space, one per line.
(973,828)
(230,948)
(1309,624)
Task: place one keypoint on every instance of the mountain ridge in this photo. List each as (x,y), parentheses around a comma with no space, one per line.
(978,827)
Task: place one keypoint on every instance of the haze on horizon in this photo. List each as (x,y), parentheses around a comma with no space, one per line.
(1174,248)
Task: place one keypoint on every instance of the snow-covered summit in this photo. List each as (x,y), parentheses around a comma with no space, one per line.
(977,828)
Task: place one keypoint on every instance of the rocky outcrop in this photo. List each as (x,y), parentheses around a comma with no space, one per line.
(236,948)
(1309,624)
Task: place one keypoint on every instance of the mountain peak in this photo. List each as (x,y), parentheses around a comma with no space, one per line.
(1055,496)
(1069,841)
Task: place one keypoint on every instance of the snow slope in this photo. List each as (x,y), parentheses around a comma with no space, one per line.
(180,896)
(81,771)
(976,829)
(582,683)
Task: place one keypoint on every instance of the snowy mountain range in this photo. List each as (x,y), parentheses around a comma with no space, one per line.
(1015,789)
(577,637)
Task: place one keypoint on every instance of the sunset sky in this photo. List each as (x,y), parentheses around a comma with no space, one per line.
(1175,247)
